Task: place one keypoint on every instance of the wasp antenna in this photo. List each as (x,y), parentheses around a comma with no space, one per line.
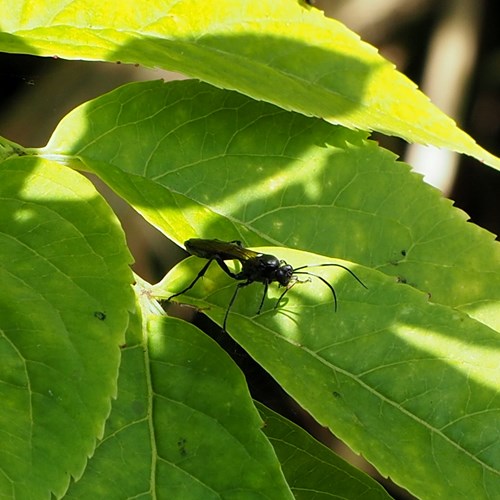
(323,280)
(333,265)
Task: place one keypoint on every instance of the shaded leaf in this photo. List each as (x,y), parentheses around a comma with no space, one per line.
(311,469)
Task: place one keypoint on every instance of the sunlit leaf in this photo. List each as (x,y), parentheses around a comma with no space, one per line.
(183,426)
(280,51)
(64,305)
(201,162)
(389,373)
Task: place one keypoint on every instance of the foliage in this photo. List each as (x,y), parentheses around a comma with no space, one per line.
(406,372)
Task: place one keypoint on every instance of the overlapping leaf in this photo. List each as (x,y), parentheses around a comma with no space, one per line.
(197,161)
(391,374)
(183,426)
(311,469)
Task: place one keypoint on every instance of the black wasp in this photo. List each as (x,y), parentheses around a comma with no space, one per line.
(255,266)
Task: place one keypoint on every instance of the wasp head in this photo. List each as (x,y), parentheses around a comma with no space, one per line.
(284,273)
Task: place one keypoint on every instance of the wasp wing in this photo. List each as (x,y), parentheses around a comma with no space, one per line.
(224,250)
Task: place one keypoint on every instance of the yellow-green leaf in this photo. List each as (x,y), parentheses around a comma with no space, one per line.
(280,51)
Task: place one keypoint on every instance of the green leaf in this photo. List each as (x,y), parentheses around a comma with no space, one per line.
(64,305)
(121,465)
(183,426)
(311,469)
(198,161)
(412,386)
(212,444)
(280,51)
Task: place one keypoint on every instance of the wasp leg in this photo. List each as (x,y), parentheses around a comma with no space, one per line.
(266,285)
(200,275)
(231,302)
(224,267)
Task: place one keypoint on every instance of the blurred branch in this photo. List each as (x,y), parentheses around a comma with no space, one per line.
(450,62)
(375,22)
